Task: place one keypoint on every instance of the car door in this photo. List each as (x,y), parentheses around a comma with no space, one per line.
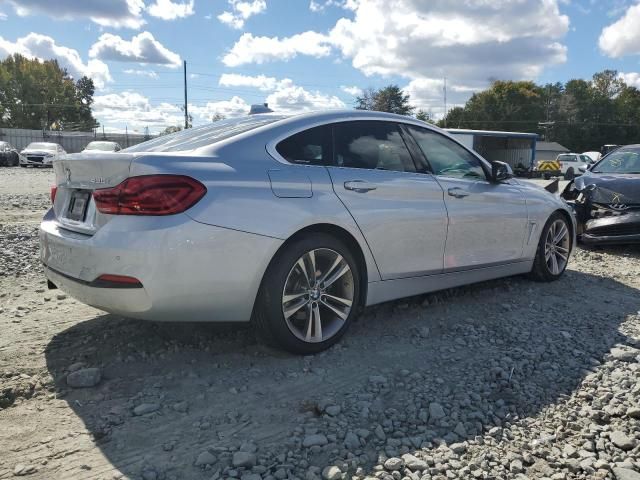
(400,212)
(487,221)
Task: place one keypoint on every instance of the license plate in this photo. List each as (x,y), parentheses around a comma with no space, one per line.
(78,206)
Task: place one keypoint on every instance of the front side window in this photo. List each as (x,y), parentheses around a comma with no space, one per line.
(445,156)
(310,147)
(372,145)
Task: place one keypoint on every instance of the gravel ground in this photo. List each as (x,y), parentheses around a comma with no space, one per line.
(504,379)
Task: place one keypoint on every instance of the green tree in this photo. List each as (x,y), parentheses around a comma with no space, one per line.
(388,99)
(424,116)
(35,94)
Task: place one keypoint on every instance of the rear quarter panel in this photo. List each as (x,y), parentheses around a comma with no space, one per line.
(240,196)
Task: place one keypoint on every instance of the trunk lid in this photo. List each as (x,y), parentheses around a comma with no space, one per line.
(77,176)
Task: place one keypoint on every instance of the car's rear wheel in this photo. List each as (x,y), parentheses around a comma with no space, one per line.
(309,295)
(554,249)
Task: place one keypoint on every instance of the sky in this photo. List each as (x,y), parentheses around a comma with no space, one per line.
(301,55)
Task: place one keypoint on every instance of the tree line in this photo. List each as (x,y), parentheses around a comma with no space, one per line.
(580,114)
(38,94)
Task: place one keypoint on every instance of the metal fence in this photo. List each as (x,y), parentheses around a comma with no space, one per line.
(72,142)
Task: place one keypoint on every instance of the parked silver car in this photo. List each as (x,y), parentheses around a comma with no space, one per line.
(295,222)
(41,154)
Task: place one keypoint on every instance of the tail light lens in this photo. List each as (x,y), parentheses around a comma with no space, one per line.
(54,190)
(150,195)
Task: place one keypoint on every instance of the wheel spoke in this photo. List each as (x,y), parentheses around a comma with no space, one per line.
(563,257)
(554,265)
(560,236)
(314,326)
(333,266)
(291,310)
(293,296)
(344,301)
(303,269)
(343,268)
(312,260)
(335,310)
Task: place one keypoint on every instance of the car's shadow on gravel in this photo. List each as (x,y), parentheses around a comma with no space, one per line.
(446,366)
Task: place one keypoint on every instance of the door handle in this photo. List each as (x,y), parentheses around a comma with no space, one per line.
(458,192)
(359,186)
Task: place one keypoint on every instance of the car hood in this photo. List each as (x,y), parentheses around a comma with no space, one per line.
(36,152)
(609,188)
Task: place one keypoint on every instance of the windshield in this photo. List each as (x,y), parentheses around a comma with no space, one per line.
(205,135)
(620,161)
(102,146)
(42,146)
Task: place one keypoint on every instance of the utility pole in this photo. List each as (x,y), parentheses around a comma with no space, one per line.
(445,102)
(186,113)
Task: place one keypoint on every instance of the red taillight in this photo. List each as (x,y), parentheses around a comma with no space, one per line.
(150,195)
(54,190)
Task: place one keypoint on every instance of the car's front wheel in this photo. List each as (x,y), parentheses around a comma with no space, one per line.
(309,295)
(554,249)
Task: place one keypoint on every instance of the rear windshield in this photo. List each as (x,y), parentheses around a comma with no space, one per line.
(205,135)
(567,158)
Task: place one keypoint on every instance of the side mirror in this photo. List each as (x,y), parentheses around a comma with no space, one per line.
(583,169)
(500,171)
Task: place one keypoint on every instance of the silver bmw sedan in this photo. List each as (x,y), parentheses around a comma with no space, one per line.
(293,222)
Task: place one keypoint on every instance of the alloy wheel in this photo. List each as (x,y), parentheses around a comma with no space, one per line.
(556,248)
(318,295)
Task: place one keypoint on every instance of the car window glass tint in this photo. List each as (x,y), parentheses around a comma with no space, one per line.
(311,147)
(445,156)
(371,144)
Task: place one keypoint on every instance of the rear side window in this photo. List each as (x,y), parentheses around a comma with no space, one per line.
(372,145)
(310,147)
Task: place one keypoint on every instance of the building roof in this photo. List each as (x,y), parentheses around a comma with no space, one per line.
(491,133)
(550,147)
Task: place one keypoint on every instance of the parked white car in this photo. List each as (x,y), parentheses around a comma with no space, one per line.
(594,156)
(41,154)
(572,163)
(102,146)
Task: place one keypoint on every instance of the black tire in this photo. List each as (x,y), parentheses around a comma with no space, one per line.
(23,166)
(268,316)
(569,174)
(541,271)
(547,176)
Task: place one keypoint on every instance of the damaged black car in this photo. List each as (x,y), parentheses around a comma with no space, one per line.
(606,199)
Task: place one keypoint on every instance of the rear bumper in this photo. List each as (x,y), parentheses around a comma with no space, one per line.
(189,271)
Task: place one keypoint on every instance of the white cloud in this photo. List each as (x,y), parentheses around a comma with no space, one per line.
(141,73)
(3,16)
(623,36)
(108,13)
(241,10)
(143,48)
(322,5)
(228,108)
(632,78)
(260,82)
(250,49)
(353,91)
(35,45)
(135,111)
(472,41)
(294,99)
(168,10)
